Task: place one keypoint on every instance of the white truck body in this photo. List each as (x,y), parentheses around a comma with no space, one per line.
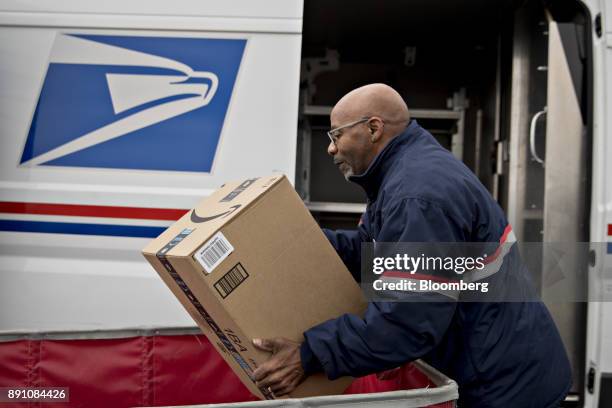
(85,281)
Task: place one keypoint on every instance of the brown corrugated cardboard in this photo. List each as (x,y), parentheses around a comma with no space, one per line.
(250,262)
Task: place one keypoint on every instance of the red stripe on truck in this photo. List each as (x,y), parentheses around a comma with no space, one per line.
(142,213)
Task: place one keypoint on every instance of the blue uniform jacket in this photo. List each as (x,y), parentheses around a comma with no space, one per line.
(502,354)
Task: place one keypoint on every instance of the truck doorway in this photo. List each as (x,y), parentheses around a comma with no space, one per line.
(477,75)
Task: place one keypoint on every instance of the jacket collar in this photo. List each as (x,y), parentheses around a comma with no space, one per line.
(373,177)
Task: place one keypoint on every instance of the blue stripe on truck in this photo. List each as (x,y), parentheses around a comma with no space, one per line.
(81,229)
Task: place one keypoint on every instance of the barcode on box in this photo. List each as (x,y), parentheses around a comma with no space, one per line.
(231,280)
(213,252)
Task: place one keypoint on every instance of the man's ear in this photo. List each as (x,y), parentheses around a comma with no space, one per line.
(375,127)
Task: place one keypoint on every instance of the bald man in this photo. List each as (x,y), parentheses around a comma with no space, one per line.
(502,354)
(383,112)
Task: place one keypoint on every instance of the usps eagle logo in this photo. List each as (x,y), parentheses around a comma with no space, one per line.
(129,102)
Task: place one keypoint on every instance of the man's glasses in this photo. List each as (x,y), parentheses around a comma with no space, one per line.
(335,133)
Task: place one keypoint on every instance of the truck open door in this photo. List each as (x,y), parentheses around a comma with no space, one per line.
(549,157)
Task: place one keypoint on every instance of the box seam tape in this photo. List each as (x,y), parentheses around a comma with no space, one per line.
(238,358)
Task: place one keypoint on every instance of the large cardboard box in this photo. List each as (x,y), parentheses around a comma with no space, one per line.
(250,262)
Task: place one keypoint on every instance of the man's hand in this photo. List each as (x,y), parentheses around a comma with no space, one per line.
(282,372)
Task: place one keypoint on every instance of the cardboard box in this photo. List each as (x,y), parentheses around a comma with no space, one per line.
(250,262)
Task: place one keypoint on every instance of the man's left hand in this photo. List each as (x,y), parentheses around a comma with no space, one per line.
(282,372)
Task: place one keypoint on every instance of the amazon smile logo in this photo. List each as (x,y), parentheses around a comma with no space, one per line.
(197,219)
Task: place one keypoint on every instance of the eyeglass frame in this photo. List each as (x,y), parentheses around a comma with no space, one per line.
(331,132)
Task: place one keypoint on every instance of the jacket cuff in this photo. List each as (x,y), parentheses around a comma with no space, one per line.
(310,362)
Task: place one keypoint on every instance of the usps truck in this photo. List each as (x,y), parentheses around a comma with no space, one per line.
(116,117)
